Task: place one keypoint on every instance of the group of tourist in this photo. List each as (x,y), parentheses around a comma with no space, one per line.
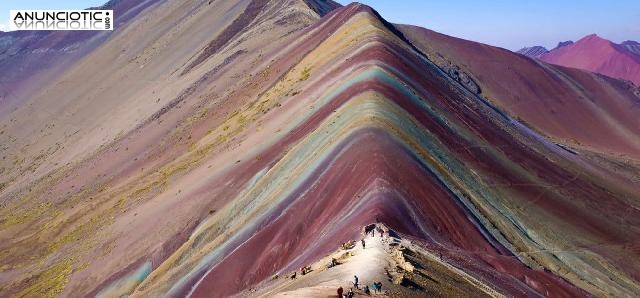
(375,286)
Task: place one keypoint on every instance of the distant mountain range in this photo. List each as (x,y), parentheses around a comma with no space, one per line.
(595,54)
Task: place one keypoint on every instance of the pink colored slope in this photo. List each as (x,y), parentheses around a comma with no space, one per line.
(598,55)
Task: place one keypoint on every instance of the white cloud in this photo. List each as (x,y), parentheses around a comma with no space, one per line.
(4,27)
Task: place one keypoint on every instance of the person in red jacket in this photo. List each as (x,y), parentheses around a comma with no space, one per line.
(340,290)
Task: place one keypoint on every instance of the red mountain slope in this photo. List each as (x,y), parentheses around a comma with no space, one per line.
(598,55)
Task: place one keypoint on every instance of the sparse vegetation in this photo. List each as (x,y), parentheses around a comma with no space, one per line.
(51,282)
(306,73)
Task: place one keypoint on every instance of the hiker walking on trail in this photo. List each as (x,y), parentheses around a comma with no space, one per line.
(355,281)
(379,286)
(362,243)
(340,292)
(366,290)
(350,294)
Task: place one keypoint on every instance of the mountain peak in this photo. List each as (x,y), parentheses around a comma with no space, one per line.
(564,44)
(593,38)
(630,42)
(322,7)
(534,51)
(631,46)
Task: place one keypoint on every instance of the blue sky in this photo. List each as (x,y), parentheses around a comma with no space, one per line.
(511,24)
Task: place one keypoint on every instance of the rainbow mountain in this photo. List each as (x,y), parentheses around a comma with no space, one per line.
(214,148)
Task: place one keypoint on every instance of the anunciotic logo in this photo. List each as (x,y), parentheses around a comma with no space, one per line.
(61,20)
